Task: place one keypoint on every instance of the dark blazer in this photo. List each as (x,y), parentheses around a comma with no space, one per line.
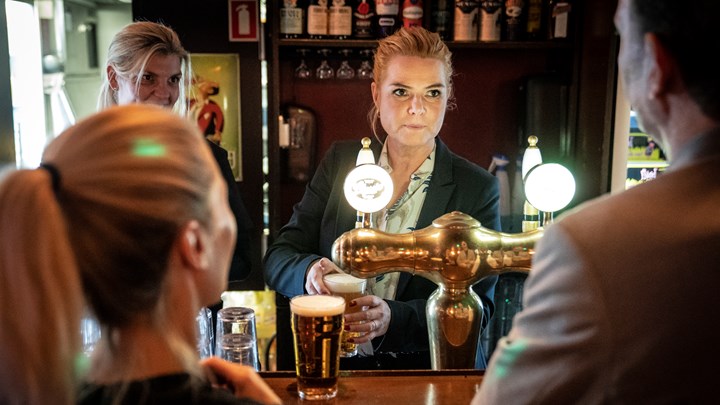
(324,214)
(241,262)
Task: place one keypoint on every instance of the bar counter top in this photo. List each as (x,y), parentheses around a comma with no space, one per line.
(425,387)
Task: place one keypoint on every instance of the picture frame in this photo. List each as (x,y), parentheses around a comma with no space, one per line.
(214,102)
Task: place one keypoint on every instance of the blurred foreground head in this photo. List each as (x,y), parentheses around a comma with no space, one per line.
(114,194)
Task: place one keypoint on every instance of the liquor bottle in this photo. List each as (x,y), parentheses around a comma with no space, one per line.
(292,19)
(317,19)
(559,19)
(412,13)
(466,21)
(534,28)
(490,20)
(387,14)
(340,19)
(363,13)
(514,20)
(441,18)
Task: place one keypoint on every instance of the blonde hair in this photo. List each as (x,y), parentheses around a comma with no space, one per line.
(127,180)
(131,49)
(41,298)
(131,176)
(415,41)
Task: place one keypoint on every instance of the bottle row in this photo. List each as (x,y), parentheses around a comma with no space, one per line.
(483,20)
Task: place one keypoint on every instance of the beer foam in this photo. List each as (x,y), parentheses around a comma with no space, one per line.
(344,283)
(317,305)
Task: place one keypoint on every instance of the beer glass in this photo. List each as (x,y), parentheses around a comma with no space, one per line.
(348,287)
(317,324)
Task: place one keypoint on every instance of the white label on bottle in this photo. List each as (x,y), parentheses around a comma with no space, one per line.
(387,7)
(490,26)
(340,20)
(386,22)
(412,13)
(561,22)
(317,20)
(291,20)
(466,25)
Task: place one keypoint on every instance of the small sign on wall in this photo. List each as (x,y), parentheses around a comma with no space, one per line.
(243,20)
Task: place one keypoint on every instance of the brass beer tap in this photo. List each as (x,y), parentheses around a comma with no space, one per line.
(455,252)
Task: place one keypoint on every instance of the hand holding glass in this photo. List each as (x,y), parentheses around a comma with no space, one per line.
(348,287)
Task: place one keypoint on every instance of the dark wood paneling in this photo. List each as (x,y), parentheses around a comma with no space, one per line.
(596,105)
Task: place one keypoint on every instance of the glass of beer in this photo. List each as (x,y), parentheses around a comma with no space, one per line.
(317,324)
(348,287)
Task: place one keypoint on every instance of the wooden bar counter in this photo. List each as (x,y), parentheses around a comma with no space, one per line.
(425,387)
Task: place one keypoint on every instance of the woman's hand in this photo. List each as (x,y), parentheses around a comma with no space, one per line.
(242,381)
(371,322)
(314,279)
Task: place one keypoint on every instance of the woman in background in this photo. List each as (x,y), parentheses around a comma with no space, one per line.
(147,64)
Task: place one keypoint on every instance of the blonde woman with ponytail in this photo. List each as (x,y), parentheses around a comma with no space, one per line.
(129,204)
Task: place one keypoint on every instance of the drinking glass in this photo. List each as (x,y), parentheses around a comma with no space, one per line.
(302,71)
(317,324)
(238,348)
(345,71)
(365,71)
(204,333)
(236,337)
(348,287)
(89,332)
(324,71)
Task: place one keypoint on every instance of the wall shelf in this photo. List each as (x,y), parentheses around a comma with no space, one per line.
(356,43)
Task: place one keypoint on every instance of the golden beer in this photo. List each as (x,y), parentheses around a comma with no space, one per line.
(317,324)
(348,287)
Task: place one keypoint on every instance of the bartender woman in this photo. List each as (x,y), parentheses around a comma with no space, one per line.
(411,90)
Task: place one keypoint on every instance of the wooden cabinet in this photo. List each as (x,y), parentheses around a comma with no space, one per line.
(490,100)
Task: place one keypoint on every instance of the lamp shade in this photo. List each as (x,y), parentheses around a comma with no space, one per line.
(365,156)
(368,188)
(532,156)
(549,187)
